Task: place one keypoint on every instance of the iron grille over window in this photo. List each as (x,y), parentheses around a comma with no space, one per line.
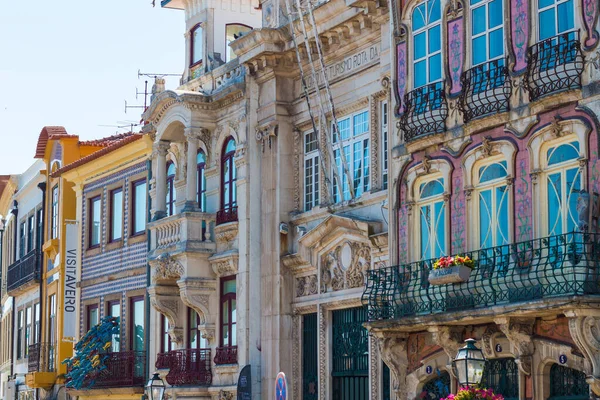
(567,384)
(309,358)
(437,387)
(350,354)
(502,375)
(554,64)
(486,90)
(425,111)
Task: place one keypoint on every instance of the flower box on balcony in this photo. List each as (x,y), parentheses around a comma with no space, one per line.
(456,274)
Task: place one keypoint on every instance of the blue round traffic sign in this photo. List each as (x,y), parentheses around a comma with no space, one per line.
(280,387)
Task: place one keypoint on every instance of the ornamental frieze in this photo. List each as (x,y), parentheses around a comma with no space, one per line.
(307,285)
(345,267)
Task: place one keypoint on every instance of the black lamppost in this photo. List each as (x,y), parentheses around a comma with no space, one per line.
(468,364)
(155,388)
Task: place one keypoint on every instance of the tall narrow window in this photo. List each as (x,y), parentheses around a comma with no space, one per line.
(555,17)
(563,185)
(114,310)
(28,327)
(138,224)
(487,31)
(94,221)
(30,233)
(311,171)
(166,344)
(201,184)
(92,316)
(228,179)
(52,332)
(197,45)
(138,327)
(22,239)
(36,323)
(234,31)
(54,213)
(171,193)
(493,203)
(195,339)
(427,39)
(385,143)
(116,214)
(39,229)
(432,219)
(353,140)
(228,312)
(20,334)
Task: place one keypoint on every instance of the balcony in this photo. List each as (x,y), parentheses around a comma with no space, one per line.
(186,231)
(227,215)
(123,370)
(539,270)
(186,367)
(41,363)
(425,112)
(26,270)
(554,65)
(226,355)
(486,90)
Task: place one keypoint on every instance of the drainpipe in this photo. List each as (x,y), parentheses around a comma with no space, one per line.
(148,272)
(15,212)
(42,187)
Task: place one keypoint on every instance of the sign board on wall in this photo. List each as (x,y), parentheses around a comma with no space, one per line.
(70,284)
(244,386)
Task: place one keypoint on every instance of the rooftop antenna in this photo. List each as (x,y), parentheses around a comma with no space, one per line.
(154,75)
(129,125)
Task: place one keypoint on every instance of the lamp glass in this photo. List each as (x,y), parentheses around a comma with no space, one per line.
(469,364)
(155,388)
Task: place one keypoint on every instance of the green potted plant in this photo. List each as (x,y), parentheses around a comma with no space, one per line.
(451,269)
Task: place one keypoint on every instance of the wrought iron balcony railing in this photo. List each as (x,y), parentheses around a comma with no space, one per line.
(123,369)
(187,367)
(553,65)
(226,355)
(41,357)
(485,90)
(227,215)
(23,271)
(425,111)
(550,267)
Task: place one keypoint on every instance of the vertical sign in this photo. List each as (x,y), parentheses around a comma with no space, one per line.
(70,293)
(280,387)
(244,386)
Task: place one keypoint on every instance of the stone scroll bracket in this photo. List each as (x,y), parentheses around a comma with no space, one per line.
(393,351)
(519,332)
(167,302)
(195,294)
(585,331)
(449,338)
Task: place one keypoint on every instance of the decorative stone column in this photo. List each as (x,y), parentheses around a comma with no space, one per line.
(393,350)
(161,179)
(191,188)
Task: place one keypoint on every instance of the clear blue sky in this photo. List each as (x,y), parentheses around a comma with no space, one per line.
(74,62)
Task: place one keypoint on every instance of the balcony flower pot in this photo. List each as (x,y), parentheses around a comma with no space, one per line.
(456,274)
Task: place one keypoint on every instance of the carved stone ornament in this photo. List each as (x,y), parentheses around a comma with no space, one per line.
(166,268)
(225,266)
(266,133)
(449,338)
(393,351)
(223,395)
(519,332)
(486,147)
(585,331)
(487,341)
(208,334)
(195,294)
(307,285)
(555,127)
(345,266)
(426,164)
(226,233)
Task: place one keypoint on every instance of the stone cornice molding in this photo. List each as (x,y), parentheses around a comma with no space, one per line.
(519,332)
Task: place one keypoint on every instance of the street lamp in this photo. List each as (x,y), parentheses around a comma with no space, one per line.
(155,388)
(468,364)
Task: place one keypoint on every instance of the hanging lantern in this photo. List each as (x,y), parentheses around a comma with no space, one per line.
(468,364)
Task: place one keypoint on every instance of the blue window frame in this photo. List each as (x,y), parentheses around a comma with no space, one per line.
(487,31)
(493,203)
(427,43)
(171,192)
(432,219)
(555,17)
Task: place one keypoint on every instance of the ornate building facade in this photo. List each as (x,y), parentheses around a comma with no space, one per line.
(496,157)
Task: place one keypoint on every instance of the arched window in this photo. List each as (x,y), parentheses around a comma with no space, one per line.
(196,45)
(502,375)
(234,31)
(568,383)
(427,43)
(437,387)
(492,203)
(201,184)
(171,194)
(563,184)
(228,212)
(431,219)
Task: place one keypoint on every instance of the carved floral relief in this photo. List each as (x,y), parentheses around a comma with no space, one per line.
(345,267)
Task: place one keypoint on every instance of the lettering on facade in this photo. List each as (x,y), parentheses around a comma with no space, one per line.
(70,283)
(349,65)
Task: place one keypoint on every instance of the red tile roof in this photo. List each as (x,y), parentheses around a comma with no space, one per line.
(110,144)
(48,132)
